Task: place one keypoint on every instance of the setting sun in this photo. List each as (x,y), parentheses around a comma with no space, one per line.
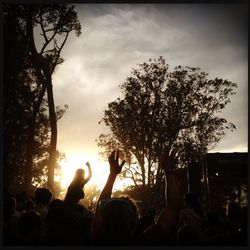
(73,162)
(100,171)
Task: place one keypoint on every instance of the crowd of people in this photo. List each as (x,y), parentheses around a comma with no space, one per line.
(47,221)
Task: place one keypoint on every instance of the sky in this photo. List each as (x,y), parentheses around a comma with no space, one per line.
(117,37)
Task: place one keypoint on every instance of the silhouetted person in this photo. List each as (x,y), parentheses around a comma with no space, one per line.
(214,227)
(234,233)
(233,216)
(21,200)
(10,219)
(43,197)
(145,221)
(164,229)
(29,229)
(64,231)
(116,219)
(29,205)
(75,190)
(192,213)
(55,210)
(112,220)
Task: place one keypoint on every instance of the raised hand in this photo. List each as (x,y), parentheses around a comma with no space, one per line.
(115,167)
(169,160)
(90,172)
(169,215)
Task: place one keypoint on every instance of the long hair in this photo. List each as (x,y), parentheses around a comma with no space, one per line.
(75,192)
(79,174)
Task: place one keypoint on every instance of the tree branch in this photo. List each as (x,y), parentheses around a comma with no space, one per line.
(133,177)
(59,51)
(41,24)
(48,41)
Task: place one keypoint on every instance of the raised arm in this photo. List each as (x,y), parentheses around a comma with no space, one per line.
(89,173)
(115,169)
(169,215)
(168,164)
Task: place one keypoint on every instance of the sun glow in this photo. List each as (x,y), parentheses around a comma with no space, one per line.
(73,162)
(100,171)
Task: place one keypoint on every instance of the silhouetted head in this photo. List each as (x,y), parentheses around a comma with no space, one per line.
(43,196)
(118,219)
(29,227)
(12,204)
(82,210)
(79,175)
(65,231)
(55,210)
(29,204)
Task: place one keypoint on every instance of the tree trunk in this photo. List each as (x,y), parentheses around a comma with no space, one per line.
(159,186)
(30,141)
(29,157)
(142,164)
(149,170)
(158,175)
(53,139)
(47,66)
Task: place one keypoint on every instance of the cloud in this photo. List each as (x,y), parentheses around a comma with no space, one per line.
(115,38)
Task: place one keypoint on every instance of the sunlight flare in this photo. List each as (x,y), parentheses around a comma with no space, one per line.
(100,171)
(75,161)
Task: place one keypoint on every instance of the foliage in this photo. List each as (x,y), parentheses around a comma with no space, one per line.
(22,89)
(161,109)
(92,194)
(54,22)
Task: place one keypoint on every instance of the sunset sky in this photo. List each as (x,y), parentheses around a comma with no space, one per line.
(116,37)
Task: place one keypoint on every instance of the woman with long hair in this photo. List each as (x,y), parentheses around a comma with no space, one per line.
(75,190)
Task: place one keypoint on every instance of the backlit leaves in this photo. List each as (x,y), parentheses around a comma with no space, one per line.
(161,108)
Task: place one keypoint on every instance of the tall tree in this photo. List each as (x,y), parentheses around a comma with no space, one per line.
(19,96)
(27,126)
(55,22)
(161,109)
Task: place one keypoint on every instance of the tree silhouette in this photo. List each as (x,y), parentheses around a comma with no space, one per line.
(53,23)
(32,78)
(161,109)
